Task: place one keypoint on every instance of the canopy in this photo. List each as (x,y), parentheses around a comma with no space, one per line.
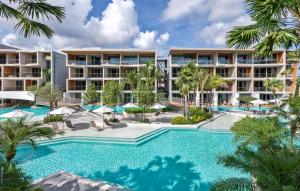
(16,113)
(259,102)
(274,101)
(158,106)
(103,109)
(62,111)
(129,105)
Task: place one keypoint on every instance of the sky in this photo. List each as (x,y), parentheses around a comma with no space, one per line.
(143,24)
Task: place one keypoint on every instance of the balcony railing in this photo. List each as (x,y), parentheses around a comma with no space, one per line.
(31,74)
(182,61)
(265,61)
(77,88)
(112,75)
(30,61)
(260,89)
(205,61)
(77,62)
(224,89)
(13,88)
(264,75)
(145,60)
(224,61)
(243,75)
(95,75)
(76,75)
(2,61)
(244,61)
(94,62)
(11,75)
(112,61)
(130,62)
(242,89)
(13,61)
(224,75)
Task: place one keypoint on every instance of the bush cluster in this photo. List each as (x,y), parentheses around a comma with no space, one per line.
(148,110)
(53,118)
(197,115)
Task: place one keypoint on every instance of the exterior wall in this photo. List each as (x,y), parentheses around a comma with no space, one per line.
(240,67)
(59,70)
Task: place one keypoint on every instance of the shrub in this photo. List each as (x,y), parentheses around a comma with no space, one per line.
(179,120)
(145,120)
(139,110)
(53,118)
(167,108)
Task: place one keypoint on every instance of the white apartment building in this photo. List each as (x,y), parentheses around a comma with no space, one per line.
(244,73)
(97,66)
(20,69)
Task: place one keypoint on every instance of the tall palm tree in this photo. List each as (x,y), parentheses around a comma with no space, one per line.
(213,82)
(202,79)
(276,170)
(192,71)
(20,131)
(276,24)
(274,85)
(297,88)
(28,14)
(132,79)
(290,110)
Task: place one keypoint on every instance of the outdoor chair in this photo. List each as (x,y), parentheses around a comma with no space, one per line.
(70,125)
(107,123)
(56,129)
(94,126)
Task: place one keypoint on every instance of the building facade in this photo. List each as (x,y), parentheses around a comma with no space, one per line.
(98,66)
(243,71)
(20,69)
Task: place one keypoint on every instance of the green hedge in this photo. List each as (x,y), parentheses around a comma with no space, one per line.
(197,115)
(53,118)
(148,110)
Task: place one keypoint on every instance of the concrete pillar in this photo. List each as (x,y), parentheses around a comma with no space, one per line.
(235,99)
(215,99)
(198,99)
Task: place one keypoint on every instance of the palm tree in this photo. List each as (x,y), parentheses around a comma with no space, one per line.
(276,24)
(213,82)
(47,74)
(274,85)
(132,79)
(297,89)
(275,170)
(290,110)
(20,131)
(27,14)
(202,78)
(246,99)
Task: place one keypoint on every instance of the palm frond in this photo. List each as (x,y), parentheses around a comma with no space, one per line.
(8,12)
(233,184)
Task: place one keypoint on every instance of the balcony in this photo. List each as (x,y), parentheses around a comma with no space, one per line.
(242,89)
(12,74)
(259,88)
(94,62)
(265,61)
(77,88)
(244,61)
(224,61)
(264,75)
(31,74)
(95,75)
(112,75)
(76,75)
(243,75)
(146,60)
(30,61)
(77,62)
(204,62)
(2,61)
(112,61)
(224,75)
(130,62)
(13,88)
(13,61)
(224,89)
(182,60)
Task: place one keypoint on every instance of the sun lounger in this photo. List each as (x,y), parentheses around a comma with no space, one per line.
(108,124)
(94,126)
(69,124)
(56,129)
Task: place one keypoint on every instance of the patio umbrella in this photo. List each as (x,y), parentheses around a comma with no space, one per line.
(62,111)
(259,102)
(16,114)
(129,105)
(158,106)
(103,110)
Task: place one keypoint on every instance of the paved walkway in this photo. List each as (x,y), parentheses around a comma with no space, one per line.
(223,122)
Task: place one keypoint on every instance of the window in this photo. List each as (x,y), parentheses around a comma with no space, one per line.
(36,72)
(78,73)
(96,73)
(33,58)
(224,72)
(19,85)
(2,59)
(79,85)
(205,59)
(130,60)
(176,72)
(98,84)
(95,60)
(242,86)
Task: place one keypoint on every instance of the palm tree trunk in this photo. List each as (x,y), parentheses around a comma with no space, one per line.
(185,106)
(293,134)
(10,155)
(202,98)
(274,95)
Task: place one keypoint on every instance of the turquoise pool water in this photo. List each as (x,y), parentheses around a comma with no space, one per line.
(118,109)
(224,108)
(38,111)
(178,160)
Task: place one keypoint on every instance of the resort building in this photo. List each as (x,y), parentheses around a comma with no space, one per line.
(98,66)
(242,71)
(20,69)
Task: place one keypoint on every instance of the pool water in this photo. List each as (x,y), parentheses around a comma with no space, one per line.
(178,160)
(118,109)
(225,108)
(38,111)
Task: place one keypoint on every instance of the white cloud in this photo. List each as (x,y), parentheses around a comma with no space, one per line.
(215,33)
(117,26)
(150,40)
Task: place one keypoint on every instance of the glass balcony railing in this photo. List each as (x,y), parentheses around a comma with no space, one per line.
(130,61)
(115,61)
(243,75)
(111,75)
(13,61)
(224,61)
(200,61)
(93,62)
(77,88)
(95,75)
(77,62)
(76,75)
(259,88)
(12,74)
(265,61)
(244,61)
(30,61)
(13,88)
(180,61)
(31,74)
(264,75)
(145,60)
(242,89)
(2,61)
(224,75)
(224,89)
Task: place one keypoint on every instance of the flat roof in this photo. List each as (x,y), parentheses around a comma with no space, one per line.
(98,50)
(189,50)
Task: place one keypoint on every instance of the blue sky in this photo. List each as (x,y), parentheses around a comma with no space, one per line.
(145,24)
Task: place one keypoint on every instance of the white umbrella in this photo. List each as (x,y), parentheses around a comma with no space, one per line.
(274,101)
(16,114)
(62,111)
(158,106)
(103,109)
(129,105)
(259,102)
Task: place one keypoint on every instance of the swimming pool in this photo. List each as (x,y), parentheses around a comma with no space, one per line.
(179,160)
(118,109)
(37,111)
(231,108)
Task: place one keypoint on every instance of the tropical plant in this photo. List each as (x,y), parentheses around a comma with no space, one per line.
(132,79)
(213,82)
(27,15)
(145,96)
(262,133)
(202,80)
(33,91)
(274,85)
(290,110)
(91,96)
(12,178)
(47,74)
(49,93)
(246,99)
(297,89)
(275,24)
(14,132)
(112,94)
(192,72)
(150,73)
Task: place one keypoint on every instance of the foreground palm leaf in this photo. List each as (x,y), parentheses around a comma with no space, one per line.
(14,132)
(29,13)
